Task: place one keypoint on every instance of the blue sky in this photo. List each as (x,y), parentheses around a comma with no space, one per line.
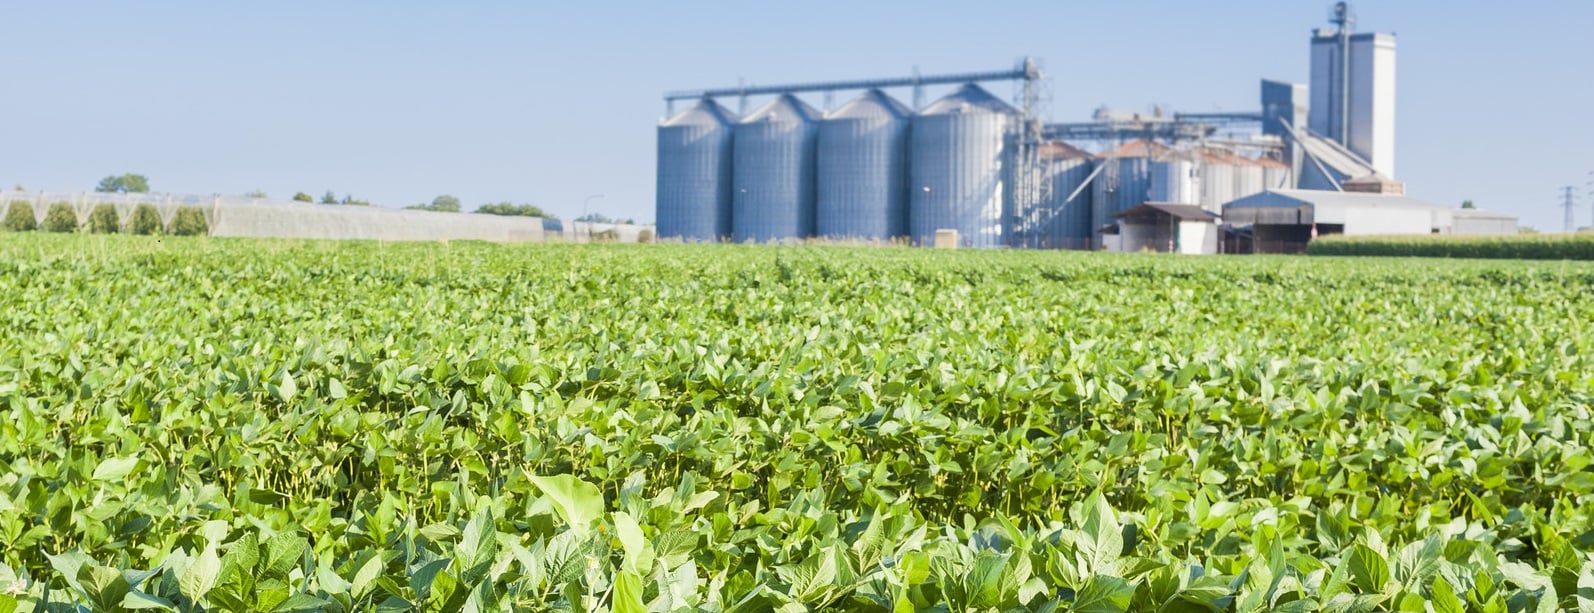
(547,103)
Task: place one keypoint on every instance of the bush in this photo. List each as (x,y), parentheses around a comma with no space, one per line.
(645,236)
(1502,247)
(189,221)
(60,218)
(103,219)
(145,220)
(513,210)
(19,217)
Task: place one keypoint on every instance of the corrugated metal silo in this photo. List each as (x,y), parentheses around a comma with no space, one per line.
(1061,223)
(958,169)
(1275,174)
(773,172)
(863,169)
(1173,179)
(1124,181)
(694,174)
(1217,180)
(1248,178)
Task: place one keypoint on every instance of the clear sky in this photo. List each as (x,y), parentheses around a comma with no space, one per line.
(544,102)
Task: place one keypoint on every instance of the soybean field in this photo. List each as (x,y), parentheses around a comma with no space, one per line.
(200,424)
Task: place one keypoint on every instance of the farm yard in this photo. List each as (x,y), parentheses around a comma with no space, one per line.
(193,424)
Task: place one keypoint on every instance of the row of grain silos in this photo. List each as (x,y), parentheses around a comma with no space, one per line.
(872,169)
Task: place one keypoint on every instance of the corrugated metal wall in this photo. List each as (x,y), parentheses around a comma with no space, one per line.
(1173,179)
(1248,179)
(693,199)
(1063,223)
(1217,182)
(958,169)
(774,172)
(862,178)
(1122,184)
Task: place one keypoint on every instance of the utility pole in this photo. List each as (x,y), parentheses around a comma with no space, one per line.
(1569,204)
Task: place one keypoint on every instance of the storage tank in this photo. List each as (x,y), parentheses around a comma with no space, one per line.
(1275,174)
(1061,223)
(862,178)
(1248,178)
(693,200)
(773,172)
(1217,180)
(1124,181)
(958,169)
(1173,179)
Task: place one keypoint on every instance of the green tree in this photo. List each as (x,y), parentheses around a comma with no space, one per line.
(189,221)
(352,201)
(513,210)
(126,184)
(145,220)
(303,197)
(329,198)
(259,193)
(103,219)
(60,218)
(19,217)
(1467,204)
(595,218)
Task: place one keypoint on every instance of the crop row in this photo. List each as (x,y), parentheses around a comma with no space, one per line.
(1514,247)
(270,425)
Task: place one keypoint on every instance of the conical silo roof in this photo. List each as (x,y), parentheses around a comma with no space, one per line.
(785,108)
(970,98)
(705,112)
(871,104)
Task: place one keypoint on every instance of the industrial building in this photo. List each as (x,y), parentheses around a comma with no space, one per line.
(994,174)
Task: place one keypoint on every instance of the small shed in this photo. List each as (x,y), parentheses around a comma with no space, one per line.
(1168,228)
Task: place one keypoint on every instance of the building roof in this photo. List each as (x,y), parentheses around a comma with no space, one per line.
(1187,212)
(786,108)
(1479,214)
(706,112)
(1059,150)
(1139,148)
(871,104)
(969,98)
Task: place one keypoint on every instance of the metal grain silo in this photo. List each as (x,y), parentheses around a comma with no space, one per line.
(1173,179)
(957,164)
(773,173)
(1248,178)
(1217,180)
(1124,181)
(1275,174)
(862,178)
(694,174)
(1061,222)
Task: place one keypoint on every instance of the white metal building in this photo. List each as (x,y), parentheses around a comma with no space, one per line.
(1285,220)
(1167,228)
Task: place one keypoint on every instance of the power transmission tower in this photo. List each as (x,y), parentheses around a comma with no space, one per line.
(1569,204)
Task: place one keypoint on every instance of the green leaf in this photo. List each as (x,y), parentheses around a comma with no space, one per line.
(115,469)
(201,575)
(1104,594)
(1369,571)
(579,503)
(283,553)
(1104,538)
(477,547)
(1444,599)
(298,603)
(638,553)
(628,593)
(139,600)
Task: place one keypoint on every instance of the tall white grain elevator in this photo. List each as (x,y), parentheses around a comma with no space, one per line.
(1355,107)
